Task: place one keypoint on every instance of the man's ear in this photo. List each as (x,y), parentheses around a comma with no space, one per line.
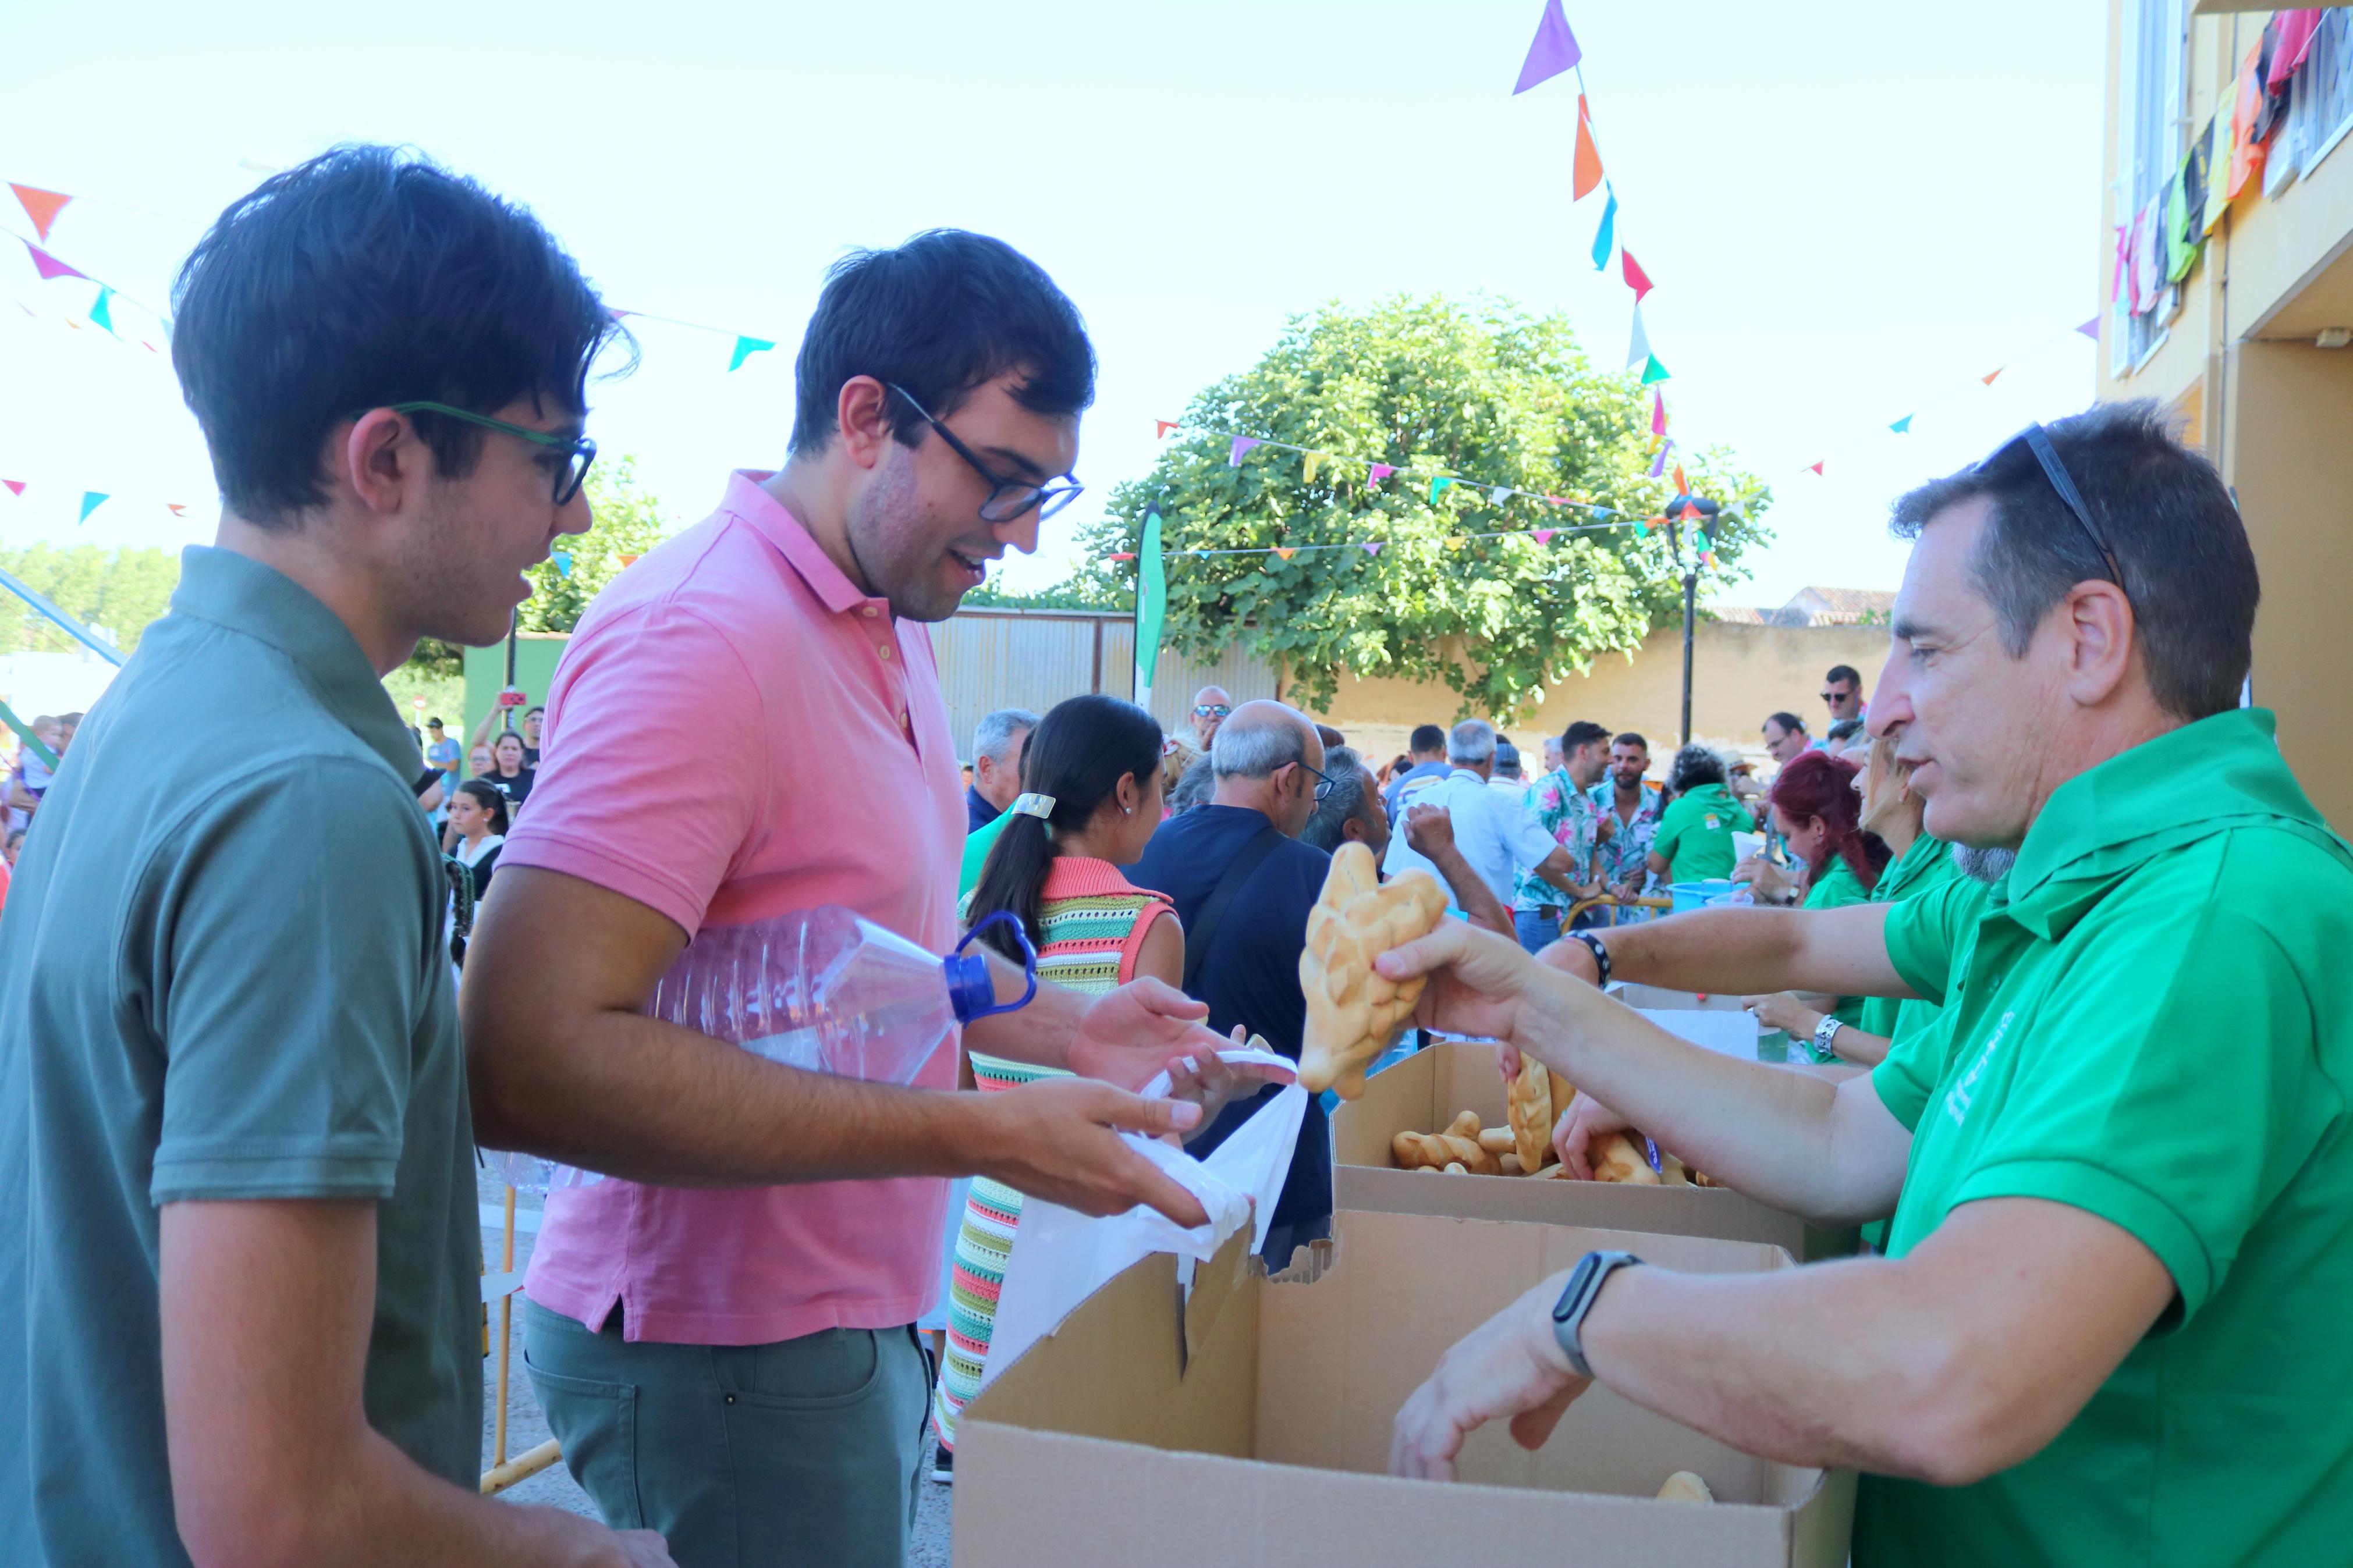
(379,460)
(2099,626)
(862,416)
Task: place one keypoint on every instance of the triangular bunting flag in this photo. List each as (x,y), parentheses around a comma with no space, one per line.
(1636,279)
(1165,425)
(1372,547)
(50,266)
(1817,468)
(1988,376)
(1682,485)
(1903,426)
(100,313)
(617,314)
(1439,484)
(563,563)
(1606,236)
(1377,473)
(1659,463)
(90,501)
(744,349)
(1658,414)
(1308,463)
(1242,444)
(175,508)
(1286,554)
(1542,535)
(2091,329)
(630,560)
(1638,352)
(1554,51)
(1500,494)
(1654,371)
(1587,172)
(41,206)
(15,487)
(1456,541)
(1121,555)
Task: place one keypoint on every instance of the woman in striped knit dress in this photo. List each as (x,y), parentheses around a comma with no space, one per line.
(1091,774)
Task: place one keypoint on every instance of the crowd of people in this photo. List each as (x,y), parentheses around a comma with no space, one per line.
(2106,1132)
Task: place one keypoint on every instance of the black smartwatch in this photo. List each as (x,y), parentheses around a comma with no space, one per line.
(1583,1288)
(1600,955)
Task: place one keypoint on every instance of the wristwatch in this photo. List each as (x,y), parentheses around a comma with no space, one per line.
(1583,1288)
(1600,955)
(1824,1033)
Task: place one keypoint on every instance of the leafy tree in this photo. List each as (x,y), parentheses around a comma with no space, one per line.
(119,592)
(627,522)
(1078,594)
(1483,393)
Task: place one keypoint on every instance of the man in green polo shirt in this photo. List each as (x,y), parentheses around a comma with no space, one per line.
(238,1315)
(2110,1324)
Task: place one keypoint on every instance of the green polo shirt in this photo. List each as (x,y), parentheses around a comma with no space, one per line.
(222,977)
(2151,1018)
(976,853)
(1837,888)
(1695,833)
(1927,866)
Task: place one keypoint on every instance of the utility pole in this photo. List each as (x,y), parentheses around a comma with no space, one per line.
(1691,508)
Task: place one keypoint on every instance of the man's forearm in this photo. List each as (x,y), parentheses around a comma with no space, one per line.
(1471,894)
(1838,952)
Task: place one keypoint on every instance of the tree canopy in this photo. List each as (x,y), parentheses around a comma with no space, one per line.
(1458,398)
(119,592)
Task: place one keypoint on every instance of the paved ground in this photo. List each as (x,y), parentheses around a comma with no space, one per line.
(527,1428)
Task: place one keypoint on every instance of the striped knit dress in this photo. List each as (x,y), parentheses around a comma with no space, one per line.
(1094,923)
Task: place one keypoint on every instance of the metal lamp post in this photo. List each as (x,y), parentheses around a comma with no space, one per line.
(1686,509)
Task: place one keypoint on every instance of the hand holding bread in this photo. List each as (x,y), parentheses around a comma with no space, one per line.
(1353,1013)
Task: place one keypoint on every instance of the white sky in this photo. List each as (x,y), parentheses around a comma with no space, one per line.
(1851,211)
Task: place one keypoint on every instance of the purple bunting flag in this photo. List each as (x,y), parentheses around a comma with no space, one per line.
(1554,51)
(50,266)
(1242,444)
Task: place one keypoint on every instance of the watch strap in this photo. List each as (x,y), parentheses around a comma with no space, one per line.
(1600,951)
(1577,1299)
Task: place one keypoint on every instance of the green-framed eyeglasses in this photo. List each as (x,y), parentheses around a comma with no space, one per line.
(577,453)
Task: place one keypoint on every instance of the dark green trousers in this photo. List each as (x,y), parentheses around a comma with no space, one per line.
(804,1452)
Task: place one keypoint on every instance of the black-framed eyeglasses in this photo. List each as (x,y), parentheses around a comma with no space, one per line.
(2038,441)
(578,452)
(1325,783)
(1007,499)
(1211,709)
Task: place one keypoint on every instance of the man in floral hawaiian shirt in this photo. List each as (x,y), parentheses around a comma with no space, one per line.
(1634,806)
(1561,805)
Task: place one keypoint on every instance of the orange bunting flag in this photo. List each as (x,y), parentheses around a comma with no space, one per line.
(1122,555)
(1166,425)
(1286,554)
(1588,171)
(176,509)
(1682,485)
(1988,376)
(41,206)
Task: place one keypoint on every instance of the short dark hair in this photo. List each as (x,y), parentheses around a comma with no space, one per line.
(435,725)
(1426,737)
(1791,723)
(2178,543)
(1845,729)
(370,276)
(1348,801)
(490,799)
(1584,732)
(534,709)
(1632,739)
(1694,765)
(1845,672)
(945,313)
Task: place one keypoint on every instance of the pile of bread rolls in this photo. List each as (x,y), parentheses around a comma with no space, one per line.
(1524,1147)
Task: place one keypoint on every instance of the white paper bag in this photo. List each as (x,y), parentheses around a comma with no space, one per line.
(1062,1256)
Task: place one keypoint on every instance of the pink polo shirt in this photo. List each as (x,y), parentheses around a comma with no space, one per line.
(734,732)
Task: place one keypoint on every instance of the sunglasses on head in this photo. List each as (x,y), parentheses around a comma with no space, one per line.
(2038,441)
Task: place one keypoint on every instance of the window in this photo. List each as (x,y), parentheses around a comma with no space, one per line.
(2320,105)
(2149,152)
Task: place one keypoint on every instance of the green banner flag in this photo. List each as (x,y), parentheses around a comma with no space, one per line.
(1151,608)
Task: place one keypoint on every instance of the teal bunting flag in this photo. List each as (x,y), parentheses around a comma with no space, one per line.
(1605,238)
(744,349)
(563,563)
(90,501)
(1437,485)
(1151,608)
(1654,371)
(1903,426)
(99,312)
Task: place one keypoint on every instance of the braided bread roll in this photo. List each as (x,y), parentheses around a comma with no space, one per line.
(1618,1158)
(1531,1111)
(1353,1013)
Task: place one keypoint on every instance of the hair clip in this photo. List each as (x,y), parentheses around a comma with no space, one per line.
(1040,806)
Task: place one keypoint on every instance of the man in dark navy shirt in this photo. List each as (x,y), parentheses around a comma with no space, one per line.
(997,747)
(1268,762)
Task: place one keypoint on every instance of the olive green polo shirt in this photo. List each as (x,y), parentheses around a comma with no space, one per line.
(2151,1019)
(1695,831)
(222,977)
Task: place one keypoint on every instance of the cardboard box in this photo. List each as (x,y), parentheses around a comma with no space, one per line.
(1251,1426)
(1422,1093)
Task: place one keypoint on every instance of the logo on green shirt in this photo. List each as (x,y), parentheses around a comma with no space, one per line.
(1956,1101)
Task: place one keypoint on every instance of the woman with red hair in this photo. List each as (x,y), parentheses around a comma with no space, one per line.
(1818,813)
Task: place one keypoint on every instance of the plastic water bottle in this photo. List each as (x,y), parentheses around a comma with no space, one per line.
(822,990)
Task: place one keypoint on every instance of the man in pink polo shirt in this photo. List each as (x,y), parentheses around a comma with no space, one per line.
(722,1340)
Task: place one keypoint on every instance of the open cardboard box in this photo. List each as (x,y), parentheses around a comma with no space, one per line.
(1249,1425)
(1422,1093)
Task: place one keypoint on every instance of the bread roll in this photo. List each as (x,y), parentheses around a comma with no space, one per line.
(1353,1013)
(1529,1097)
(1685,1486)
(1617,1158)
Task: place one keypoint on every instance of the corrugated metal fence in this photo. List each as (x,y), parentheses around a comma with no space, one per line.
(1034,658)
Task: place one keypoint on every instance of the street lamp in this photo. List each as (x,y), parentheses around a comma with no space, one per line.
(1697,509)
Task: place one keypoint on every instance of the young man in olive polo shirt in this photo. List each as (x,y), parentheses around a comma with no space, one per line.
(2111,1323)
(239,1321)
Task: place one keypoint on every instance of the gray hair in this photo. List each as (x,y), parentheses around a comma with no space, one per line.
(1255,751)
(993,736)
(1346,803)
(1471,742)
(1987,866)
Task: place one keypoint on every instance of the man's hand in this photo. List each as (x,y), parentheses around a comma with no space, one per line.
(1429,831)
(1475,980)
(1781,1010)
(1058,1139)
(1212,1082)
(1131,1035)
(1509,1366)
(1585,1121)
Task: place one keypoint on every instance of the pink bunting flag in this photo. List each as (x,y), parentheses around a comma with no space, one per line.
(1543,535)
(1124,555)
(1636,279)
(1658,413)
(50,266)
(617,314)
(1817,468)
(1377,473)
(41,206)
(1554,51)
(15,487)
(1241,448)
(1163,427)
